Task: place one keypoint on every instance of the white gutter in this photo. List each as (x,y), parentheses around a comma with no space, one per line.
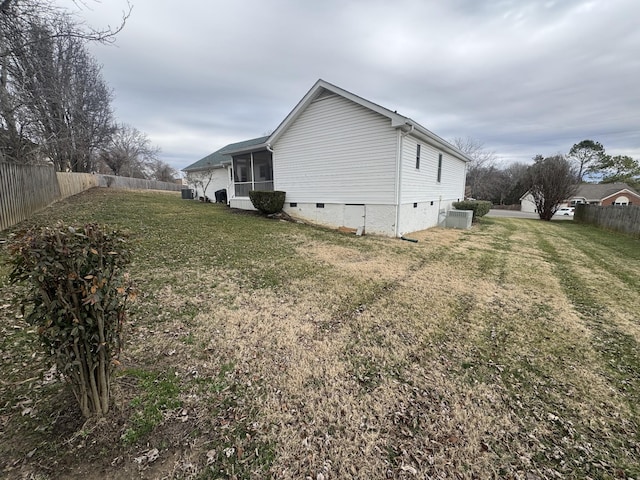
(440,143)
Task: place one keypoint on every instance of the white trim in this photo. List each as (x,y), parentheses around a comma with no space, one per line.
(397,121)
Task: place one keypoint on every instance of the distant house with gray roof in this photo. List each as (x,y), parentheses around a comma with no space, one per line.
(605,194)
(592,194)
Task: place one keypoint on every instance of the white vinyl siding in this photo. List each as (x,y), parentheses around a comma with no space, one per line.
(219,180)
(337,151)
(421,185)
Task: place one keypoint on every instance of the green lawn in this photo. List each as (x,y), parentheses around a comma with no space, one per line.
(259,348)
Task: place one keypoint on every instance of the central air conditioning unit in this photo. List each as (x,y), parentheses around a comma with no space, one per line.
(459,219)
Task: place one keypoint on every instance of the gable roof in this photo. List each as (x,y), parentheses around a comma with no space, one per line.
(598,191)
(220,158)
(322,88)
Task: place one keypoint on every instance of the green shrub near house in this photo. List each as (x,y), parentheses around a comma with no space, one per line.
(480,207)
(267,202)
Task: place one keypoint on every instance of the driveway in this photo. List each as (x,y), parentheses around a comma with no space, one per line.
(519,214)
(511,214)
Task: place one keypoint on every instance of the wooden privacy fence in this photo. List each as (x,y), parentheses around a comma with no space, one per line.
(621,218)
(74,183)
(25,189)
(135,183)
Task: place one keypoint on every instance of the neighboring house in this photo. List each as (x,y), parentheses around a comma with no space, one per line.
(592,194)
(605,194)
(344,161)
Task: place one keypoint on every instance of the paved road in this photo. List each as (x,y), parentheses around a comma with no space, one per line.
(518,214)
(511,214)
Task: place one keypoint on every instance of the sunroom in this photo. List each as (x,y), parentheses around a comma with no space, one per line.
(251,171)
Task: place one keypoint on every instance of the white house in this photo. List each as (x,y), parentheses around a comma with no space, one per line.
(344,161)
(213,172)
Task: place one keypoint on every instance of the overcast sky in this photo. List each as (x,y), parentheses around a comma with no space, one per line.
(525,77)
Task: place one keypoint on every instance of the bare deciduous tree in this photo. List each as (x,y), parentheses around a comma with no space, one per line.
(130,153)
(48,82)
(201,179)
(550,181)
(64,101)
(163,172)
(16,17)
(481,169)
(514,183)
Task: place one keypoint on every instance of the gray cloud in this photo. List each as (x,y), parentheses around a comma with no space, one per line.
(525,77)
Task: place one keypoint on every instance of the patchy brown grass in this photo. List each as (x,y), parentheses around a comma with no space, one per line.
(264,349)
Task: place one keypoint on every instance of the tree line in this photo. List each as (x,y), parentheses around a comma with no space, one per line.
(54,103)
(557,175)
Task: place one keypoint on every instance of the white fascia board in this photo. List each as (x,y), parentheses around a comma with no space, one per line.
(438,142)
(204,169)
(396,120)
(293,114)
(248,149)
(621,191)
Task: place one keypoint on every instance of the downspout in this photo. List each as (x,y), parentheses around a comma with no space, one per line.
(401,136)
(230,194)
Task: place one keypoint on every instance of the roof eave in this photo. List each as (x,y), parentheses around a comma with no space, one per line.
(203,168)
(247,149)
(438,141)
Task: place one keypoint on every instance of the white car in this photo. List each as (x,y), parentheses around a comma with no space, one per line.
(566,211)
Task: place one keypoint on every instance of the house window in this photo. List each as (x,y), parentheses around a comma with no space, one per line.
(439,167)
(418,157)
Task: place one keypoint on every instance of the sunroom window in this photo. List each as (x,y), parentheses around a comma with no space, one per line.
(252,171)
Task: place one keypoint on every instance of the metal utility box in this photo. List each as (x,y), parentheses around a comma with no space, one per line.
(187,193)
(459,219)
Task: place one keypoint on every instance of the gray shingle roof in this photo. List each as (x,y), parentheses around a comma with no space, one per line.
(598,191)
(219,157)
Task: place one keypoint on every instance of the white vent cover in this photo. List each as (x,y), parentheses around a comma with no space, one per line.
(459,219)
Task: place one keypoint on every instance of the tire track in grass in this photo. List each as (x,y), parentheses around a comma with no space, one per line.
(491,261)
(598,245)
(619,350)
(368,370)
(564,440)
